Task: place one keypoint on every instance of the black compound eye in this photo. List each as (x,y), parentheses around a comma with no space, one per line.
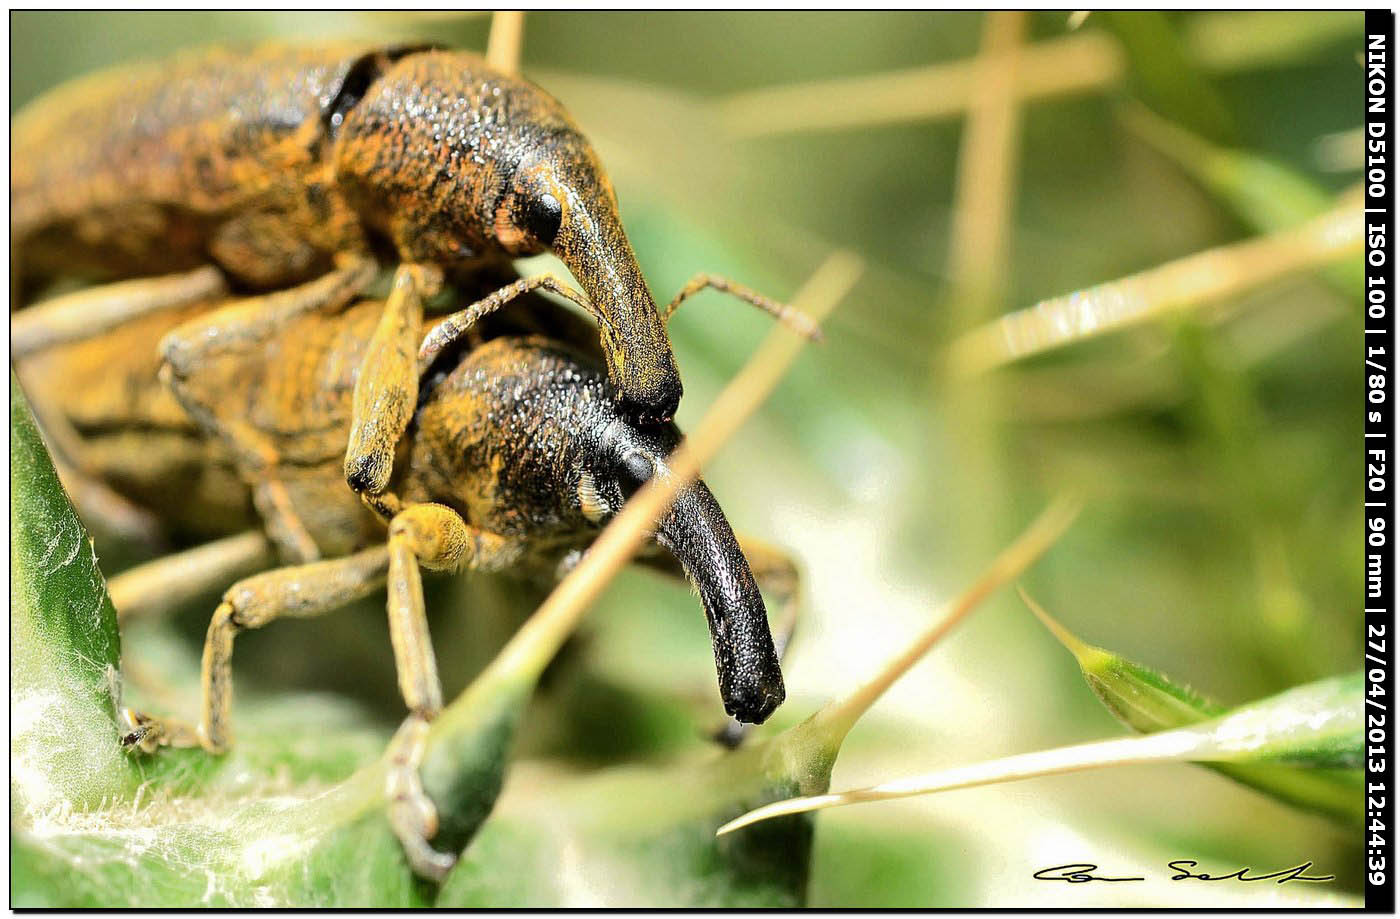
(636,470)
(541,217)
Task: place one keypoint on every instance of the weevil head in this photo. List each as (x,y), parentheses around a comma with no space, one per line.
(456,163)
(555,459)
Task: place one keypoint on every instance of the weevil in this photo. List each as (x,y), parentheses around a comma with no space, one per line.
(516,455)
(283,167)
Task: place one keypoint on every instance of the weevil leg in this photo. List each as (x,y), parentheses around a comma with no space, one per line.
(147,734)
(236,329)
(777,576)
(251,321)
(788,315)
(91,312)
(166,583)
(386,391)
(148,589)
(435,537)
(107,512)
(297,591)
(96,503)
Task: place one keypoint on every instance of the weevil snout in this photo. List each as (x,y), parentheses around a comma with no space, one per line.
(563,201)
(697,533)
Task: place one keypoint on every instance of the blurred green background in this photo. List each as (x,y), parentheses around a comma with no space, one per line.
(1216,448)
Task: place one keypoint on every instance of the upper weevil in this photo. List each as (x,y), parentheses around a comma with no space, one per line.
(280,164)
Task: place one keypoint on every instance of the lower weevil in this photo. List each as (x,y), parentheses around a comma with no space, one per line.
(517,454)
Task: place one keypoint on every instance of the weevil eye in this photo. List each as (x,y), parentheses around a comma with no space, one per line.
(636,470)
(541,216)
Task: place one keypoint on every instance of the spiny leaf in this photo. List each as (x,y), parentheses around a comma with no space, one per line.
(645,835)
(1138,696)
(1266,194)
(1164,73)
(1204,277)
(1319,724)
(63,746)
(1148,701)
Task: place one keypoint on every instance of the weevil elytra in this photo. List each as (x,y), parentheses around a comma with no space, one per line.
(279,164)
(517,454)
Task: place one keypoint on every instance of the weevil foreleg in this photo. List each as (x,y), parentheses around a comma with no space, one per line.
(386,391)
(164,584)
(299,591)
(250,322)
(788,315)
(777,576)
(90,312)
(433,537)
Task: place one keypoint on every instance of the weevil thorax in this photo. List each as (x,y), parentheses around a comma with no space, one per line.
(455,163)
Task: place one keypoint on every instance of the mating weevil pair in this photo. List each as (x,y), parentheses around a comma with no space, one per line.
(300,170)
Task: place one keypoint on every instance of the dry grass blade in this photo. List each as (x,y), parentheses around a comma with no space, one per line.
(1037,539)
(408,19)
(1224,40)
(1062,65)
(540,637)
(505,41)
(1168,746)
(1191,281)
(1342,151)
(1081,62)
(1317,724)
(986,165)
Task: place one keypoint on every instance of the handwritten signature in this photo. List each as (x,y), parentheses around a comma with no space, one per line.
(1183,870)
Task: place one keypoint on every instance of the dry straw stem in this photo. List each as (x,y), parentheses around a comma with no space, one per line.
(1318,724)
(1063,635)
(504,43)
(1192,281)
(538,639)
(1167,746)
(1071,64)
(839,717)
(1080,62)
(986,165)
